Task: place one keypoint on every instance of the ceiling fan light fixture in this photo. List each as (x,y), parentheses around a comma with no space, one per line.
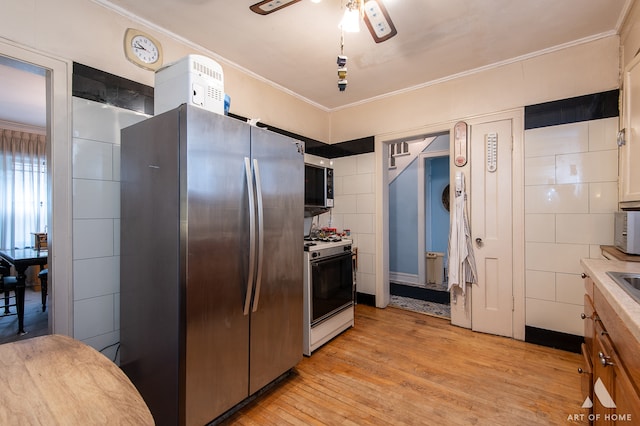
(268,6)
(351,21)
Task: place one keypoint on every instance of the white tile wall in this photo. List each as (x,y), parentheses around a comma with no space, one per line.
(96,220)
(570,195)
(355,210)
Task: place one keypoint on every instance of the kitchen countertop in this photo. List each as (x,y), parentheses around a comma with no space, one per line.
(625,306)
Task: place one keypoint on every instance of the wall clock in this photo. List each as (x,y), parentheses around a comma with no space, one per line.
(142,49)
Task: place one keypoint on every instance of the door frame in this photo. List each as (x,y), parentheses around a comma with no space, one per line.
(460,314)
(58,130)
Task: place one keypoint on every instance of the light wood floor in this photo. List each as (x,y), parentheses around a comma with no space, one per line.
(403,368)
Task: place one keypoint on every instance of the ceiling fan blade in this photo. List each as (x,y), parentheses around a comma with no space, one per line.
(268,6)
(378,21)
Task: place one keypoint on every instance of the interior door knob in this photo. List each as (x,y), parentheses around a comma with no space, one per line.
(479,241)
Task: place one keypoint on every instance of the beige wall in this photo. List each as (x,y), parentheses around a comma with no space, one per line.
(85,32)
(578,70)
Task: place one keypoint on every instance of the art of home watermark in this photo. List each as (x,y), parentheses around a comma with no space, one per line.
(600,391)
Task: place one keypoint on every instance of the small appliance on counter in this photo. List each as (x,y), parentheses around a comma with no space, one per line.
(194,80)
(627,231)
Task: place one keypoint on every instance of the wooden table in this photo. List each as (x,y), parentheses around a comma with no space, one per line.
(57,380)
(21,259)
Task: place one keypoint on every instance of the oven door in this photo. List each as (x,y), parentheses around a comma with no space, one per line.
(331,286)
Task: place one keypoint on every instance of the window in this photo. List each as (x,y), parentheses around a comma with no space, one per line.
(23,179)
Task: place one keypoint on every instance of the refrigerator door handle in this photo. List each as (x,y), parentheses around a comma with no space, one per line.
(252,235)
(256,172)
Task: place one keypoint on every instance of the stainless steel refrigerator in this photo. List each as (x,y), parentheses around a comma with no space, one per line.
(211,261)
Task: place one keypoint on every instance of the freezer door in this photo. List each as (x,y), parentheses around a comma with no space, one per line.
(217,251)
(276,315)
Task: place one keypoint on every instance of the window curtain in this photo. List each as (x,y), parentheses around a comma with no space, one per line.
(23,185)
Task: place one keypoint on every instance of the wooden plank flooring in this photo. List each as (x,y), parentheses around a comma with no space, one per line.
(405,368)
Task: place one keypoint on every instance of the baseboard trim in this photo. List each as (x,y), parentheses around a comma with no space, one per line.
(442,297)
(553,339)
(403,278)
(366,299)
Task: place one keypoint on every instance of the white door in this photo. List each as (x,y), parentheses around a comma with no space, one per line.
(491,227)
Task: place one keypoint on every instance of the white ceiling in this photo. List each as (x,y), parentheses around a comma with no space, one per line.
(296,47)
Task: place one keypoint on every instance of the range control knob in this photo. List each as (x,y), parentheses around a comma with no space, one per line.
(347,248)
(315,254)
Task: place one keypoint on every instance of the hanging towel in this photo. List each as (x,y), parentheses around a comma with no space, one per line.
(462,263)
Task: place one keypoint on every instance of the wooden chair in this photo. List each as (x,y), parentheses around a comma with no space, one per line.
(7,284)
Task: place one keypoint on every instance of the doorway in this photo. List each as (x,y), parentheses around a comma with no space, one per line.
(58,153)
(419,223)
(24,182)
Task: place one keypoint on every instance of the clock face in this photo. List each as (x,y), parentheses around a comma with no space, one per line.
(142,49)
(145,49)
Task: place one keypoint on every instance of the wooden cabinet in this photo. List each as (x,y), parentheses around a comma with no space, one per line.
(629,155)
(611,366)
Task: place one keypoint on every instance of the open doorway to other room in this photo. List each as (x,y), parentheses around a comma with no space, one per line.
(418,176)
(23,193)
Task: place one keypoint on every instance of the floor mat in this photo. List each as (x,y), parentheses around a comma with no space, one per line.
(423,306)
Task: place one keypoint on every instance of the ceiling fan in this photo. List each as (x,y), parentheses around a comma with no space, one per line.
(373,13)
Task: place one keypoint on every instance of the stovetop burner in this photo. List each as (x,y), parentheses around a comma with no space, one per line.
(331,239)
(315,244)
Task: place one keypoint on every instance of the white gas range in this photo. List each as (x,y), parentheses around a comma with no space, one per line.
(329,291)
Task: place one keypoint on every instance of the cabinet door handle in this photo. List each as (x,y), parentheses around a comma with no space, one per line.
(585,316)
(604,360)
(583,275)
(580,370)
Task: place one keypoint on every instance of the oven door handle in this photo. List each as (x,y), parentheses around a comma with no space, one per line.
(252,236)
(315,263)
(256,172)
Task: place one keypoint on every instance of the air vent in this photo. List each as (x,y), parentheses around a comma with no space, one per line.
(203,69)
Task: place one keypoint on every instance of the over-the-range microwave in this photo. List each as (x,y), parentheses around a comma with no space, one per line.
(318,186)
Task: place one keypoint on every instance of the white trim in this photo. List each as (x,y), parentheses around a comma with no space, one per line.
(404,278)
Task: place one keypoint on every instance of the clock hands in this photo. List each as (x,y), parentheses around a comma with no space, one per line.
(137,45)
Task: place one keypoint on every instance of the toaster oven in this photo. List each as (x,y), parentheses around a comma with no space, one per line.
(627,231)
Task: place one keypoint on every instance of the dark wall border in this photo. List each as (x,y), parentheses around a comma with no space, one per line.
(99,86)
(572,110)
(343,149)
(553,339)
(315,147)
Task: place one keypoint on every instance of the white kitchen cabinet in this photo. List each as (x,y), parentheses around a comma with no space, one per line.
(629,172)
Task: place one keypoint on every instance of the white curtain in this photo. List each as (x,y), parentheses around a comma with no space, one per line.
(23,187)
